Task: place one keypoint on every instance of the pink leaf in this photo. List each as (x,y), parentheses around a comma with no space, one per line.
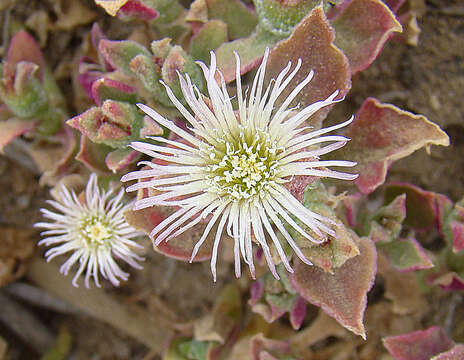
(181,246)
(23,47)
(342,295)
(406,255)
(382,134)
(93,155)
(137,9)
(104,88)
(421,206)
(457,228)
(12,128)
(362,29)
(448,281)
(120,159)
(312,42)
(418,345)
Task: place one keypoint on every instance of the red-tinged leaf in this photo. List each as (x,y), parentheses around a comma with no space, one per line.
(453,226)
(406,255)
(104,88)
(298,184)
(312,42)
(457,228)
(180,247)
(362,29)
(418,345)
(421,207)
(448,281)
(298,313)
(150,128)
(93,155)
(120,53)
(342,295)
(12,128)
(387,221)
(119,159)
(337,249)
(87,76)
(382,134)
(350,208)
(444,207)
(456,353)
(23,47)
(135,9)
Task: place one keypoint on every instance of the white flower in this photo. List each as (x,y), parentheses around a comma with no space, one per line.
(233,165)
(94,231)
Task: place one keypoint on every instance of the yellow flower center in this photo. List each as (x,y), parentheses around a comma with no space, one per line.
(245,169)
(95,232)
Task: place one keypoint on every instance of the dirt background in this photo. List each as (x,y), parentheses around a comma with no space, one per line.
(427,79)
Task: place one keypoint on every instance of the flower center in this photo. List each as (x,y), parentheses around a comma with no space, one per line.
(246,168)
(95,231)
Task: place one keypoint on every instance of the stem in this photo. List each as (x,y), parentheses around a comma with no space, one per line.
(154,332)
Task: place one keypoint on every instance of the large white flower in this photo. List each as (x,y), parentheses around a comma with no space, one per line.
(232,166)
(94,230)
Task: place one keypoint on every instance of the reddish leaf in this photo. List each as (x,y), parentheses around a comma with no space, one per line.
(382,134)
(312,42)
(421,207)
(120,158)
(12,128)
(138,10)
(406,255)
(447,281)
(387,221)
(23,47)
(457,229)
(180,247)
(104,88)
(342,295)
(93,155)
(418,345)
(337,249)
(362,29)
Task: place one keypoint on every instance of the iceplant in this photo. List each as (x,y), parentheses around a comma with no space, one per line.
(93,230)
(232,167)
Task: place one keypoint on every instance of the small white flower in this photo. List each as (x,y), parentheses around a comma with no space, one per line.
(233,165)
(94,231)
